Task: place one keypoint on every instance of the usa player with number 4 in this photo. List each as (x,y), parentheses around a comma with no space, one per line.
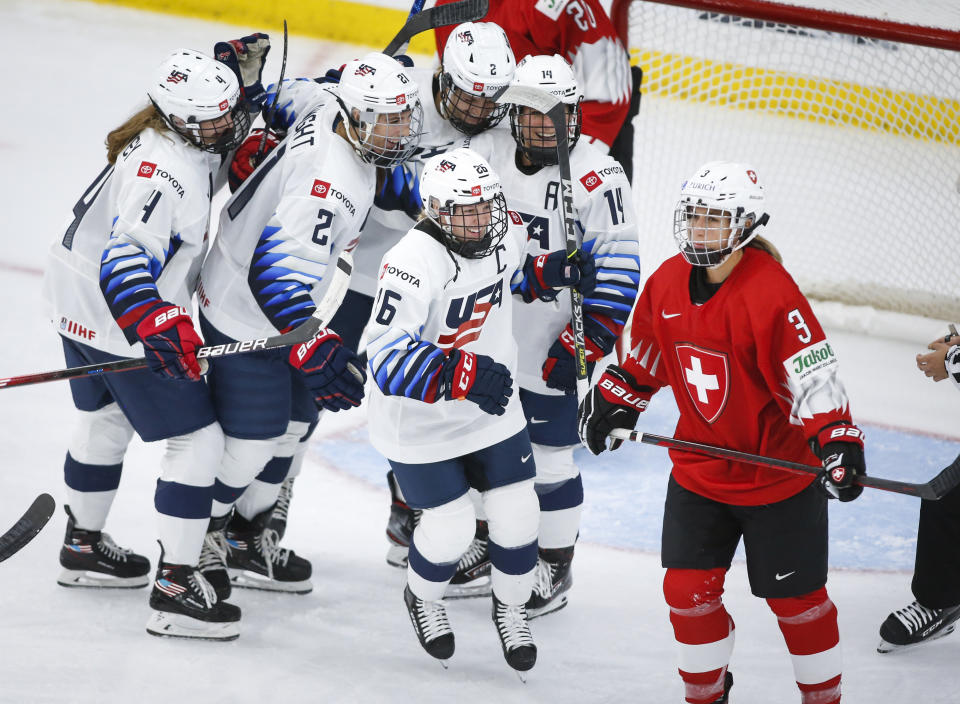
(441,332)
(725,326)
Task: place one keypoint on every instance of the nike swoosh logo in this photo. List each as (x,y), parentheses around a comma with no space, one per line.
(779,576)
(539,420)
(524,459)
(669,315)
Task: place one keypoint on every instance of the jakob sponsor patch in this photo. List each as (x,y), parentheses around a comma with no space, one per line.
(810,360)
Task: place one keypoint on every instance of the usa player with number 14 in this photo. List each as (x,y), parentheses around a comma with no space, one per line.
(726,327)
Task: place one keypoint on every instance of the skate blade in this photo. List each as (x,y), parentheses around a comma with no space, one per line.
(246,579)
(98,580)
(471,590)
(550,608)
(168,625)
(397,556)
(885,647)
(522,676)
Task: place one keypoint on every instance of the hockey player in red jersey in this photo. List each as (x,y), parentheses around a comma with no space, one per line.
(725,326)
(581,32)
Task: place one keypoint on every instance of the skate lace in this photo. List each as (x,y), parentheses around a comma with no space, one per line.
(202,587)
(282,507)
(513,627)
(112,550)
(433,620)
(916,616)
(543,578)
(215,550)
(474,554)
(273,554)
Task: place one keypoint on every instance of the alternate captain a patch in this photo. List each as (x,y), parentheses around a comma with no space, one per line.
(706,377)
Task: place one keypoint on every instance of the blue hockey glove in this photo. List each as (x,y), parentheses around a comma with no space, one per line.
(284,115)
(477,378)
(332,372)
(400,191)
(331,76)
(246,57)
(559,369)
(404,60)
(549,272)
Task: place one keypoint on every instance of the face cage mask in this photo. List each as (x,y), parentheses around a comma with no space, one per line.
(538,153)
(739,235)
(447,217)
(457,110)
(227,141)
(380,155)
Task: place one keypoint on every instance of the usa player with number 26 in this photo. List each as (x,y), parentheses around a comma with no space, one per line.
(726,327)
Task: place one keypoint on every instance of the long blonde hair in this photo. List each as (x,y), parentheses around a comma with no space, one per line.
(119,138)
(767,246)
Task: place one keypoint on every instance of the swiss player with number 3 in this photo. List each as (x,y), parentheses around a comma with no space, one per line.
(725,326)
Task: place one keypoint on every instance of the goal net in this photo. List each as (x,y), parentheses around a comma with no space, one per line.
(852,123)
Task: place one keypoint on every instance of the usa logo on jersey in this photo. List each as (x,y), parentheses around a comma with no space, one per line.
(466,315)
(706,377)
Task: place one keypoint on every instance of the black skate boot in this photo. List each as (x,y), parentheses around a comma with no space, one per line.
(186,606)
(278,519)
(727,686)
(429,619)
(916,624)
(90,558)
(514,631)
(472,577)
(552,580)
(256,560)
(400,525)
(213,556)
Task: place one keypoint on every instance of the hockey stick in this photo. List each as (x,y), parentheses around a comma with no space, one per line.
(324,312)
(944,482)
(415,9)
(556,111)
(268,123)
(431,18)
(30,523)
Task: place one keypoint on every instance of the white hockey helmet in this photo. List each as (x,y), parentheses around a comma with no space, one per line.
(380,103)
(200,99)
(461,194)
(532,131)
(477,64)
(719,211)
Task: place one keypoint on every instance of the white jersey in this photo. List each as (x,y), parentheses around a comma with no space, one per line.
(425,306)
(138,235)
(385,227)
(603,207)
(281,230)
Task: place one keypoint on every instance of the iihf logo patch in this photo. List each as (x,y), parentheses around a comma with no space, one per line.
(146,169)
(364,70)
(63,323)
(320,189)
(446,166)
(590,181)
(176,76)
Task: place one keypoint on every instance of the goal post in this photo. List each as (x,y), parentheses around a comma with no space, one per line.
(851,121)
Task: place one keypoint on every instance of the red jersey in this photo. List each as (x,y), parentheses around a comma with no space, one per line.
(751,369)
(581,32)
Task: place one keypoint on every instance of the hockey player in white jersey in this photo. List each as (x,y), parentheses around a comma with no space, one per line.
(119,283)
(441,335)
(527,164)
(279,235)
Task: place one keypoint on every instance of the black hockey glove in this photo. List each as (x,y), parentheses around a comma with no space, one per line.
(333,372)
(840,447)
(616,401)
(246,57)
(477,378)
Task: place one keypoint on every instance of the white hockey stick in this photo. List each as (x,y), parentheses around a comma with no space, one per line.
(339,282)
(556,111)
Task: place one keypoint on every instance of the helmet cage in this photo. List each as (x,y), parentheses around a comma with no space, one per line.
(460,107)
(540,145)
(455,223)
(218,135)
(721,231)
(373,133)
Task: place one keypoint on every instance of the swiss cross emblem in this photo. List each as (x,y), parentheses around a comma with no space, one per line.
(706,376)
(752,175)
(320,188)
(590,181)
(146,169)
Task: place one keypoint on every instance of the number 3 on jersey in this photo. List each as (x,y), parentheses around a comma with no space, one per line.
(800,324)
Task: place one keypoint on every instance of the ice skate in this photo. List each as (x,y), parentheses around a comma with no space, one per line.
(256,560)
(472,578)
(213,557)
(429,619)
(400,525)
(90,558)
(552,580)
(519,649)
(278,519)
(727,686)
(916,624)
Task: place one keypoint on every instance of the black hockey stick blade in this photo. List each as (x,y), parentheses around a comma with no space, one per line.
(30,523)
(443,16)
(325,310)
(936,488)
(268,123)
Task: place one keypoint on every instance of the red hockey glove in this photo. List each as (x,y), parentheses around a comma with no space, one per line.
(243,160)
(333,373)
(616,401)
(170,342)
(840,448)
(477,378)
